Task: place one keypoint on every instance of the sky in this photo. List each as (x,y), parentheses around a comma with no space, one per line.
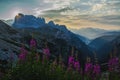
(75,14)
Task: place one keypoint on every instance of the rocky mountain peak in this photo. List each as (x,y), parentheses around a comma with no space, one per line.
(27,21)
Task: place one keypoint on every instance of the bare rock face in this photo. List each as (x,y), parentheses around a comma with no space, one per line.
(28,21)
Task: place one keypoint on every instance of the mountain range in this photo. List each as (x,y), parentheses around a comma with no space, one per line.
(90,33)
(59,38)
(105,45)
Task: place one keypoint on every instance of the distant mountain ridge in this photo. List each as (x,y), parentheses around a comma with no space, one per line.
(30,21)
(105,45)
(90,33)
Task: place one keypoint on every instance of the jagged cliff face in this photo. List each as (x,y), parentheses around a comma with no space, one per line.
(28,21)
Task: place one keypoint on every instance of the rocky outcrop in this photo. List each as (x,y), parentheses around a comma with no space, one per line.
(28,21)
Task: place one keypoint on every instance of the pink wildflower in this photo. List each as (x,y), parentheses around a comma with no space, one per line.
(96,69)
(71,60)
(32,43)
(88,67)
(22,57)
(46,51)
(113,64)
(23,54)
(77,65)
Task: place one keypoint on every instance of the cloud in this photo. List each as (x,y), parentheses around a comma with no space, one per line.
(97,7)
(68,21)
(84,7)
(58,11)
(111,19)
(57,20)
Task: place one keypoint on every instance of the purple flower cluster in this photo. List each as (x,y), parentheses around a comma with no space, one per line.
(113,63)
(23,54)
(77,65)
(71,60)
(96,69)
(73,64)
(33,43)
(46,51)
(110,65)
(88,67)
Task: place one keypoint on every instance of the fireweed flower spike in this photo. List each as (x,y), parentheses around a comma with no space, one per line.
(115,62)
(88,67)
(23,54)
(33,43)
(76,63)
(71,61)
(71,58)
(96,69)
(70,64)
(46,51)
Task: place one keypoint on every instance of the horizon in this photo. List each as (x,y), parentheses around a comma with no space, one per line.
(77,14)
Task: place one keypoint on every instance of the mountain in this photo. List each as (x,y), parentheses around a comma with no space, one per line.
(90,33)
(8,36)
(58,35)
(9,43)
(22,21)
(104,45)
